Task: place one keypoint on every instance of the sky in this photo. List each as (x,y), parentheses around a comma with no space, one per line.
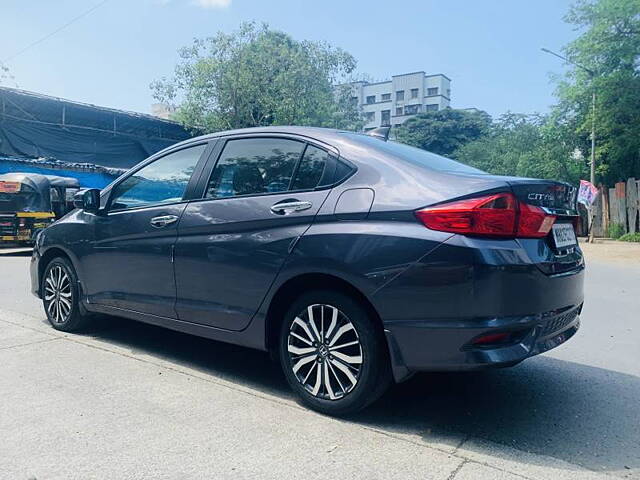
(489,48)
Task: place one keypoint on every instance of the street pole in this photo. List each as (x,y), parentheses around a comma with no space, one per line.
(592,177)
(593,133)
(592,169)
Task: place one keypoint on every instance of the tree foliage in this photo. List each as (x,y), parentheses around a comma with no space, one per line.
(445,131)
(257,77)
(526,145)
(609,45)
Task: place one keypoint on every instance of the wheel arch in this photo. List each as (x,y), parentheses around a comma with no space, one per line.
(293,287)
(51,253)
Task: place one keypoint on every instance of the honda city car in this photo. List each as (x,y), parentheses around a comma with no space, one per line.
(354,260)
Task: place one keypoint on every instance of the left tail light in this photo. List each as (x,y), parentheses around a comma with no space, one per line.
(497,215)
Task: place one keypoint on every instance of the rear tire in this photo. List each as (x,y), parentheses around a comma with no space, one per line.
(61,296)
(333,354)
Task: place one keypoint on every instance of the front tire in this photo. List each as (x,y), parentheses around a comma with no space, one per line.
(333,354)
(60,296)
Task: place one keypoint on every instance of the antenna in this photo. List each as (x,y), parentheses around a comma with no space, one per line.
(381,132)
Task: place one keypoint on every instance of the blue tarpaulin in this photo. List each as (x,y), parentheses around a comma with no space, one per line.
(92,178)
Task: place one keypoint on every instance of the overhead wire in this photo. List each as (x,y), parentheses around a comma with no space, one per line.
(51,34)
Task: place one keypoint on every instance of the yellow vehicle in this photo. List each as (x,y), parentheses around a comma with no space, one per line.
(30,202)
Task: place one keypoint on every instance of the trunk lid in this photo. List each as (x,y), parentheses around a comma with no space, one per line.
(556,197)
(559,199)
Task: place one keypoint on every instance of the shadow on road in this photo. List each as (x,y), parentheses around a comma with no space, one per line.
(584,415)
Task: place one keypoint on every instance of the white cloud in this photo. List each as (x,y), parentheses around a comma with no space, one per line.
(212,3)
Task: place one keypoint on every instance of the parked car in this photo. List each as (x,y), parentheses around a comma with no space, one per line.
(356,261)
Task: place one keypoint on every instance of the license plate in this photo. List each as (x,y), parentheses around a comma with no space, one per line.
(563,235)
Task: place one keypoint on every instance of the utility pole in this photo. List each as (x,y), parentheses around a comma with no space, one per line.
(592,170)
(592,175)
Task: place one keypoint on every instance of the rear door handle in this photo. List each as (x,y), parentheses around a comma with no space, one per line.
(163,220)
(285,208)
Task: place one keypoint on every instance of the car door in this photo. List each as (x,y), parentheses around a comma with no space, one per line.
(262,194)
(130,261)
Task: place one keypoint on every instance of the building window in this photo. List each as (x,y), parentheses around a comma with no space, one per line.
(370,116)
(386,118)
(354,101)
(432,91)
(411,109)
(386,97)
(431,108)
(398,110)
(414,93)
(371,99)
(400,96)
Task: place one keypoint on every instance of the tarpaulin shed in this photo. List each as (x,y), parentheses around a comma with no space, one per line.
(34,126)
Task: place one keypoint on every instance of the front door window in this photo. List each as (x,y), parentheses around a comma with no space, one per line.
(163,181)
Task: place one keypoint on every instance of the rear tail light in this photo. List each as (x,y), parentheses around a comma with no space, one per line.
(498,215)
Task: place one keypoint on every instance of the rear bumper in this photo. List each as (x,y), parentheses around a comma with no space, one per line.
(435,310)
(447,345)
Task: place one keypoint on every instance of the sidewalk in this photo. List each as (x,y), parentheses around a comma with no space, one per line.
(607,250)
(125,413)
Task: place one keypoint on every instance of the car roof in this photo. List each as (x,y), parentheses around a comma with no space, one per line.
(312,132)
(329,136)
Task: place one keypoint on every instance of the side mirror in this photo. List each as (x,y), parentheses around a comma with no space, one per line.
(87,200)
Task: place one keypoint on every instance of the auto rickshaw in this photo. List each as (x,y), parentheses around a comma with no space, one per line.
(30,202)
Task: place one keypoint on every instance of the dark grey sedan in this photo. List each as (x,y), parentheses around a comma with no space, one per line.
(355,261)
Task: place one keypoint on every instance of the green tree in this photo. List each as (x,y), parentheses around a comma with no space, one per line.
(609,45)
(444,131)
(257,77)
(526,145)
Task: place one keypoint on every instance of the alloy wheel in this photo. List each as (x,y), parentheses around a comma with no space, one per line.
(58,294)
(325,352)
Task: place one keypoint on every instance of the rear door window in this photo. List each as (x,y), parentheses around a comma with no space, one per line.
(312,167)
(254,166)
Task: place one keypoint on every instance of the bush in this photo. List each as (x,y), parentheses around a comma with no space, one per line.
(630,237)
(616,231)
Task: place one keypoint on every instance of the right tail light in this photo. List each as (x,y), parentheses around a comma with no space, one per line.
(497,215)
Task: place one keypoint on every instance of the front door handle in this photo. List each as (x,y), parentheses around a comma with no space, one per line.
(287,207)
(163,220)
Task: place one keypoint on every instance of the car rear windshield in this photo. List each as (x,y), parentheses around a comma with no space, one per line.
(415,155)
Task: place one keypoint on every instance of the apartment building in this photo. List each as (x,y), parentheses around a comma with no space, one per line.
(392,102)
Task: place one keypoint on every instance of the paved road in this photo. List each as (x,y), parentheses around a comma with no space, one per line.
(128,400)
